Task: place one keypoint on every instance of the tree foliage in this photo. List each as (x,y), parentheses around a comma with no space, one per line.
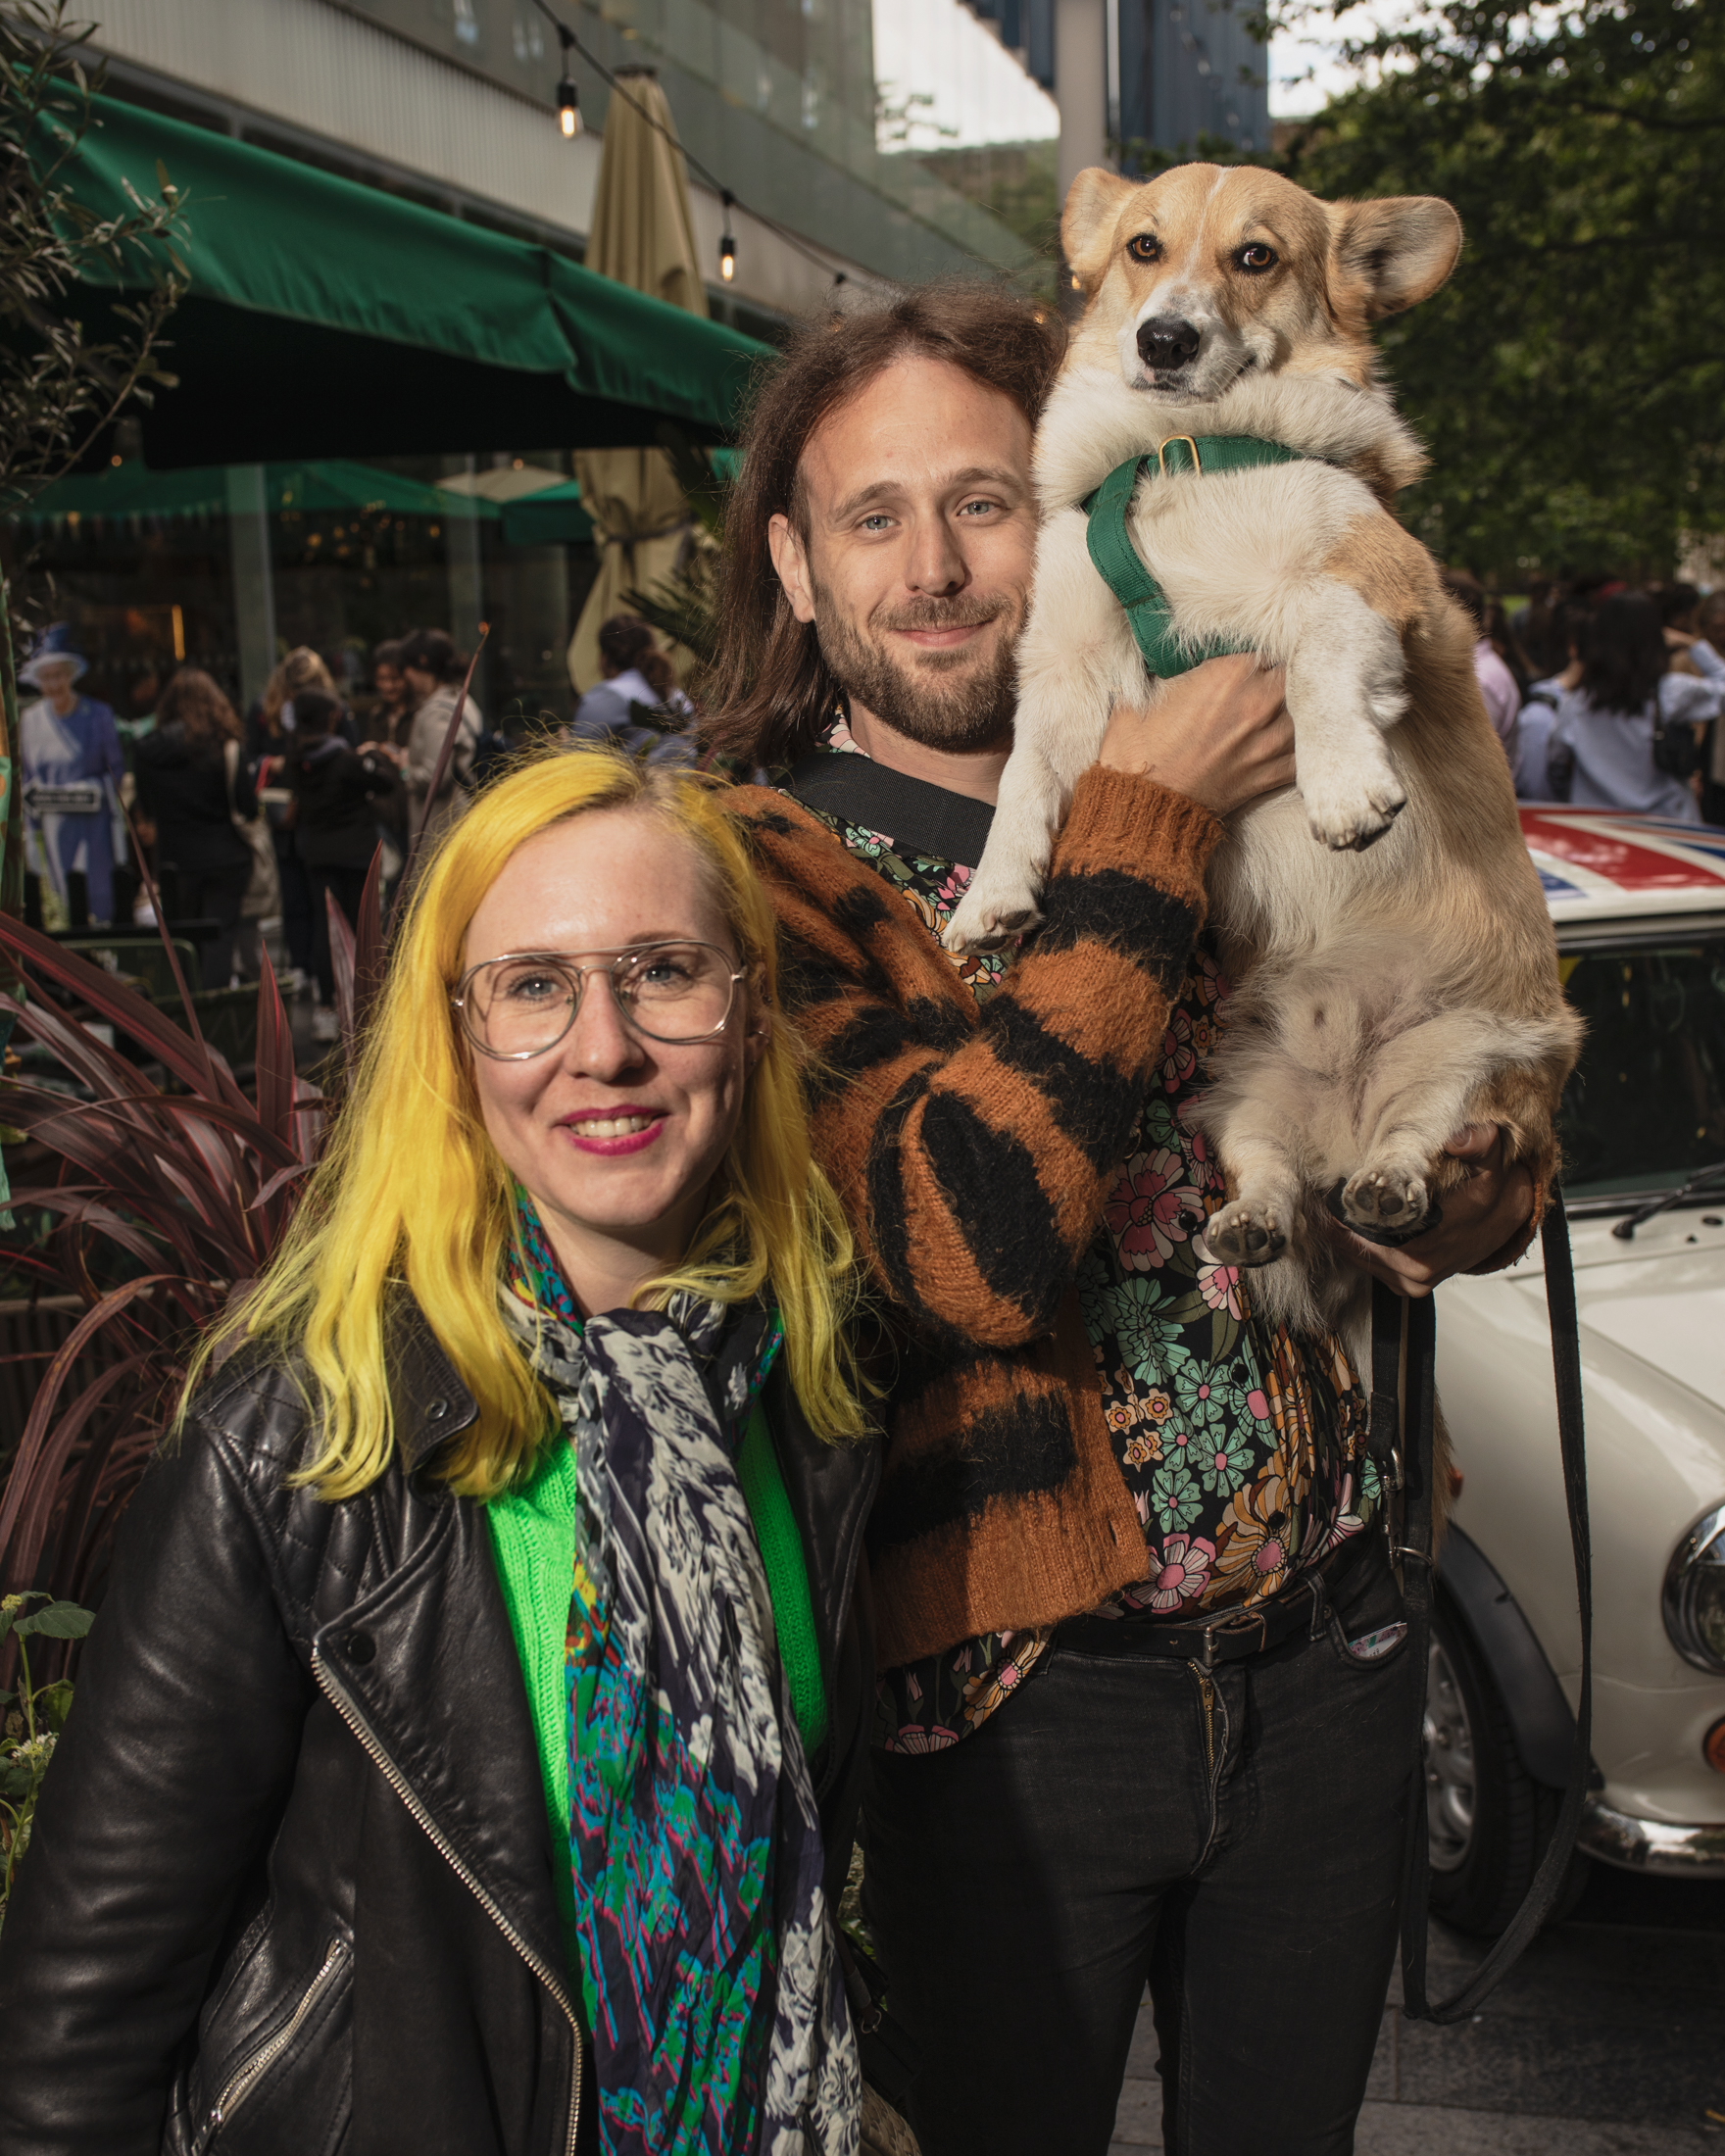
(58,388)
(1570,380)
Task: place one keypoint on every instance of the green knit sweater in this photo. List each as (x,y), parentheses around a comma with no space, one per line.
(533,1540)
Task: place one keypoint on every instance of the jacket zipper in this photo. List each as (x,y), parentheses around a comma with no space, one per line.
(398,1782)
(242,2085)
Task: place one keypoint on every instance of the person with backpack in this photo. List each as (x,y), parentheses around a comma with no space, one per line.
(638,707)
(340,796)
(1629,730)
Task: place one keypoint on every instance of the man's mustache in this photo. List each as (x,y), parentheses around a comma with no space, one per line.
(943,614)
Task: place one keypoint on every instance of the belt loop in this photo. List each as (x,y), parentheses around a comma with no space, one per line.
(1321,1601)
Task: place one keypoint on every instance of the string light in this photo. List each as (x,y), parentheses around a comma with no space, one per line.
(568,98)
(572,121)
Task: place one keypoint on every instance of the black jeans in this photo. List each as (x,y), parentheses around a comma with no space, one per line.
(349,887)
(1237,1841)
(298,930)
(216,895)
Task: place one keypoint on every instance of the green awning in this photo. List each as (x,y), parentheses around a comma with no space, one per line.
(555,516)
(325,318)
(132,489)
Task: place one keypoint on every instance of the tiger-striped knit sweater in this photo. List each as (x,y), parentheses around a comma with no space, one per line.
(972,1150)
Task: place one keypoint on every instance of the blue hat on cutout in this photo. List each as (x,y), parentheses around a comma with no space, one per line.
(53,648)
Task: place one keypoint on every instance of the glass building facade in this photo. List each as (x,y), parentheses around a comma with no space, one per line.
(776,98)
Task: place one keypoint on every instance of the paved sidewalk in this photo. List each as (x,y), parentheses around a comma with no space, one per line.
(1608,2039)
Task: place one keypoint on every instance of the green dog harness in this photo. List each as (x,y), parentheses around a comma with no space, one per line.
(1117,560)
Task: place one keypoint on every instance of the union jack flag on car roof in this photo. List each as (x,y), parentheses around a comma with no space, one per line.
(1605,864)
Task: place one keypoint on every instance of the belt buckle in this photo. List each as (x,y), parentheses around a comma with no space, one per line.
(1235,1617)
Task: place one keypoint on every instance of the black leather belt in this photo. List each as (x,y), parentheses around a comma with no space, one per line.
(1232,1634)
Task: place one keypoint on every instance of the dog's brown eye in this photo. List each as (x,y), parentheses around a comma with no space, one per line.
(1257,257)
(1143,247)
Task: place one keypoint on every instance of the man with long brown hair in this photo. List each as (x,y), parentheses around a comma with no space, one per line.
(1088,1772)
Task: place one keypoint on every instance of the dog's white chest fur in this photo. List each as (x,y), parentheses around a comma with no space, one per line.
(1372,1016)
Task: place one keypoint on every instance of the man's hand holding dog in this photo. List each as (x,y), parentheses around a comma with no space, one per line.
(1480,1216)
(1220,735)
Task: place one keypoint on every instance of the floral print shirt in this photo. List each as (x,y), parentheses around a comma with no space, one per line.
(1243,1444)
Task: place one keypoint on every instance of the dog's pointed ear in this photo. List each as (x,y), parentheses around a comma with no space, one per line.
(1395,252)
(1087,223)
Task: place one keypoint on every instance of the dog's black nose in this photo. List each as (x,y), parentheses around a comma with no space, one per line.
(1167,341)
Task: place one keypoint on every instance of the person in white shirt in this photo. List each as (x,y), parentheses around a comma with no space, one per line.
(1626,706)
(638,706)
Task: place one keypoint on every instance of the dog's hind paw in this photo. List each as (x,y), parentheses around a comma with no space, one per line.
(984,923)
(1384,1197)
(1245,1234)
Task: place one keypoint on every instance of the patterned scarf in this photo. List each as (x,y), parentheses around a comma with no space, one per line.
(708,1963)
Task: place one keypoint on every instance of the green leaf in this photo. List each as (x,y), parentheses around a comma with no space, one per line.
(54,1702)
(58,1621)
(19,1782)
(11,1604)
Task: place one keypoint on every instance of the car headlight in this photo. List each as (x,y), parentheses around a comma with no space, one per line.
(1694,1592)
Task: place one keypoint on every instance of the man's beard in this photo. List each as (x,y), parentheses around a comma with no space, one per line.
(943,700)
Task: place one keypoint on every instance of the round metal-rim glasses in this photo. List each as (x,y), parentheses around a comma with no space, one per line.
(687,988)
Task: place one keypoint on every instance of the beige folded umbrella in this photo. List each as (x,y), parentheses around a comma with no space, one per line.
(644,237)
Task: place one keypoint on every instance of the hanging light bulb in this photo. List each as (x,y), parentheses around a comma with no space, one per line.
(568,101)
(727,246)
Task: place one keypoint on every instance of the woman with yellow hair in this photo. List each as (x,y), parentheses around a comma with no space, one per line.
(466,1751)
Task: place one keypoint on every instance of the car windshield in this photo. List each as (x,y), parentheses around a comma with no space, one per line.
(1646,1107)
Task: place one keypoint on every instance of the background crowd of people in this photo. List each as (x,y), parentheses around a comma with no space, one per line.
(1605,696)
(275,815)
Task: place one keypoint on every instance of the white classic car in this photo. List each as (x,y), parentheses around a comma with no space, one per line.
(1639,912)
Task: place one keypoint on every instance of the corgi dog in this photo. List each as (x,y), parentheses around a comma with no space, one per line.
(1394,966)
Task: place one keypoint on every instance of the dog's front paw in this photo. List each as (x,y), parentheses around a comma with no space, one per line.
(1386,1198)
(1351,814)
(990,916)
(1246,1233)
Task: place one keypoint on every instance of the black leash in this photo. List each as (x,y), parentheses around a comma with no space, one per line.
(1414,1460)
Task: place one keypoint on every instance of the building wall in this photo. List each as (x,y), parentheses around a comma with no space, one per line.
(1187,69)
(776,102)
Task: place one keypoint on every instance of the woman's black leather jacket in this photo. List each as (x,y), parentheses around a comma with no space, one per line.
(289,1890)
